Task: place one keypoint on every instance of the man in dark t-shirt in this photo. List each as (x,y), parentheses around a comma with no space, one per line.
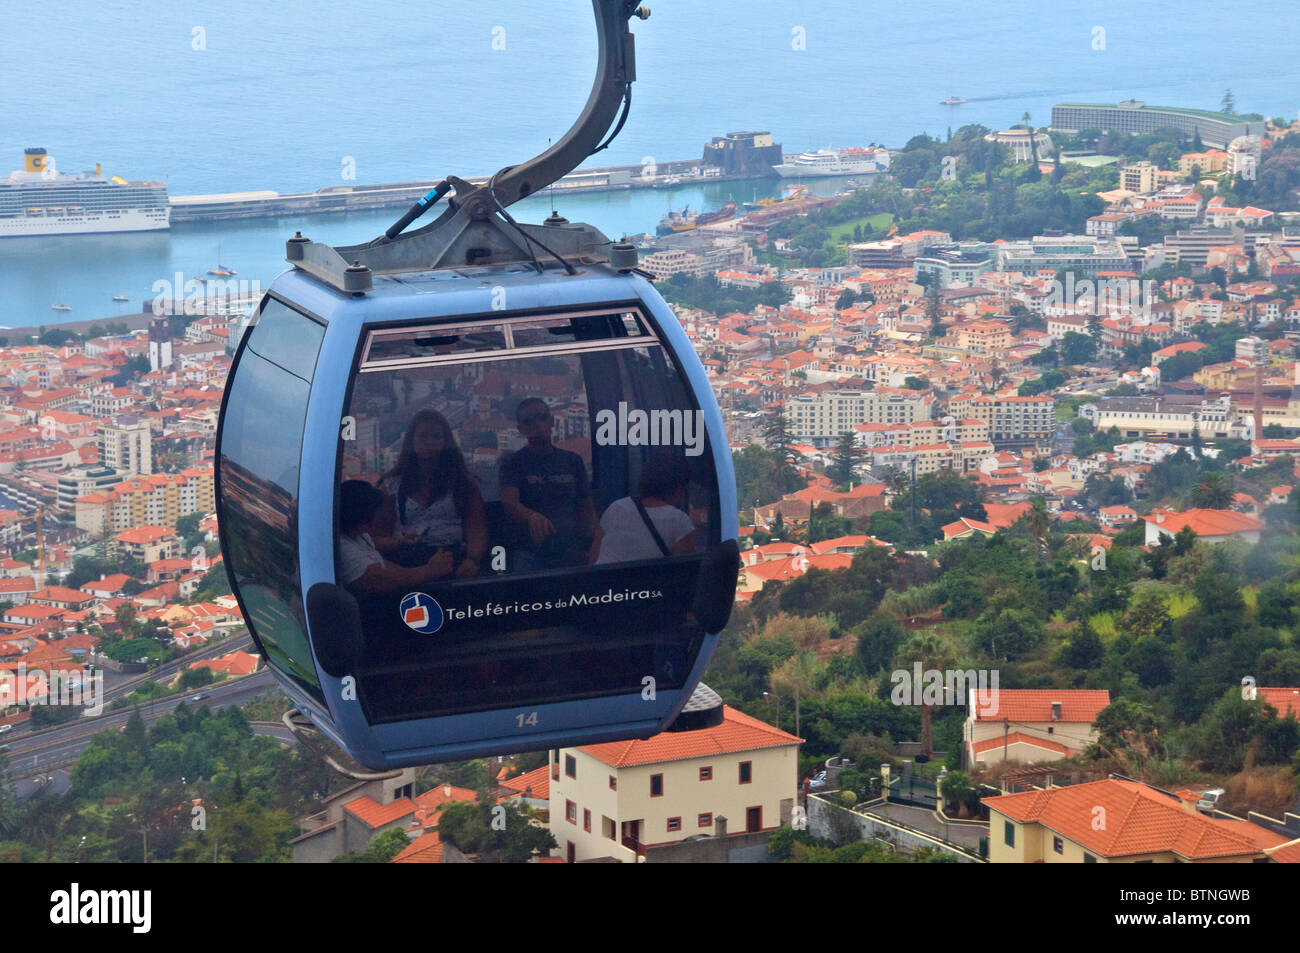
(544,489)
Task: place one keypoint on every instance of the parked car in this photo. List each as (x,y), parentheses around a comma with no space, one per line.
(1209,800)
(818,782)
(199,697)
(5,729)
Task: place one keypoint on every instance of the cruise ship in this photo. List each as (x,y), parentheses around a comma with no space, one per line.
(836,162)
(39,200)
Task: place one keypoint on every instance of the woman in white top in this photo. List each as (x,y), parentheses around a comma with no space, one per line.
(361,567)
(436,504)
(661,492)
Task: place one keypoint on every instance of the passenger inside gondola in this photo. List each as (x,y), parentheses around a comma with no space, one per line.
(652,522)
(434,503)
(361,566)
(545,491)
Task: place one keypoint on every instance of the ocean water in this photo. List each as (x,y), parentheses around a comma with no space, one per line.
(295,96)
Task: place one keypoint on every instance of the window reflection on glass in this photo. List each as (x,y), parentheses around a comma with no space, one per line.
(538,462)
(259,482)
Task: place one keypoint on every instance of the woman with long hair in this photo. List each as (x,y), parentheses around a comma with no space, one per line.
(436,502)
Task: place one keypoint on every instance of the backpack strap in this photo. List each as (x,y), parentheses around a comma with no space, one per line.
(649,524)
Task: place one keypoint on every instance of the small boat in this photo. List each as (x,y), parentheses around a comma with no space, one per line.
(121,298)
(952,101)
(60,307)
(221,271)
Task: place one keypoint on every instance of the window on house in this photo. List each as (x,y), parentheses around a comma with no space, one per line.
(571,812)
(613,783)
(586,820)
(1009,833)
(706,774)
(674,824)
(1089,859)
(656,785)
(746,772)
(1058,845)
(570,766)
(704,820)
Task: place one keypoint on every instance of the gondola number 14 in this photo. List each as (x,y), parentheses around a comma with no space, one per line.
(526,719)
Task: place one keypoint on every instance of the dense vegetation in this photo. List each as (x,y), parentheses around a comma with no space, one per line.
(137,790)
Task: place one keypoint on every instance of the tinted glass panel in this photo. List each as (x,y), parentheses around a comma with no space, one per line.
(286,338)
(435,341)
(261,440)
(505,489)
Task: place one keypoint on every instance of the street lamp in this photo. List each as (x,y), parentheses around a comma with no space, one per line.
(777,699)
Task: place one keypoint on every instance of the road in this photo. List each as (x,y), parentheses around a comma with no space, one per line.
(34,754)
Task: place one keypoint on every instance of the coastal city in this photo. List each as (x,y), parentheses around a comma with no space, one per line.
(1015,423)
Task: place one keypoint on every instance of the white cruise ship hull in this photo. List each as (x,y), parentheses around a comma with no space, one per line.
(791,170)
(86,223)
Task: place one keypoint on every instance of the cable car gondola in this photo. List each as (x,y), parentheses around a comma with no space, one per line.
(474,491)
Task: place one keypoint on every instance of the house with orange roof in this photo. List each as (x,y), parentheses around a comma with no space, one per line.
(753,578)
(109,587)
(234,664)
(534,787)
(1285,700)
(429,805)
(425,849)
(622,799)
(964,527)
(353,816)
(1212,526)
(17,589)
(1119,821)
(847,545)
(1116,516)
(1031,725)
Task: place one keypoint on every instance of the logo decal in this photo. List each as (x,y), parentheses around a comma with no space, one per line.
(421,612)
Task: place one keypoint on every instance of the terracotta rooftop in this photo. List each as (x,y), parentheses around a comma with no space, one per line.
(1139,820)
(738,732)
(1080,705)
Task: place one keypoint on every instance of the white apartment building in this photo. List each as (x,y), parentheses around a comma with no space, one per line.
(127,448)
(617,799)
(1015,419)
(821,419)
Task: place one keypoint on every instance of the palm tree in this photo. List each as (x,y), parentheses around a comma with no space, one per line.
(928,649)
(956,788)
(1038,522)
(1213,492)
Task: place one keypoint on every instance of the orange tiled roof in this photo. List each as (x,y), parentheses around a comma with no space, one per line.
(738,732)
(1205,522)
(1017,737)
(1035,704)
(374,814)
(1139,820)
(539,779)
(425,849)
(1285,700)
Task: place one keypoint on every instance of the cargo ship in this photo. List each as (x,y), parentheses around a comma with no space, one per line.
(855,161)
(685,220)
(39,200)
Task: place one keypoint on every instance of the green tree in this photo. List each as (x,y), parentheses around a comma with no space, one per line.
(846,458)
